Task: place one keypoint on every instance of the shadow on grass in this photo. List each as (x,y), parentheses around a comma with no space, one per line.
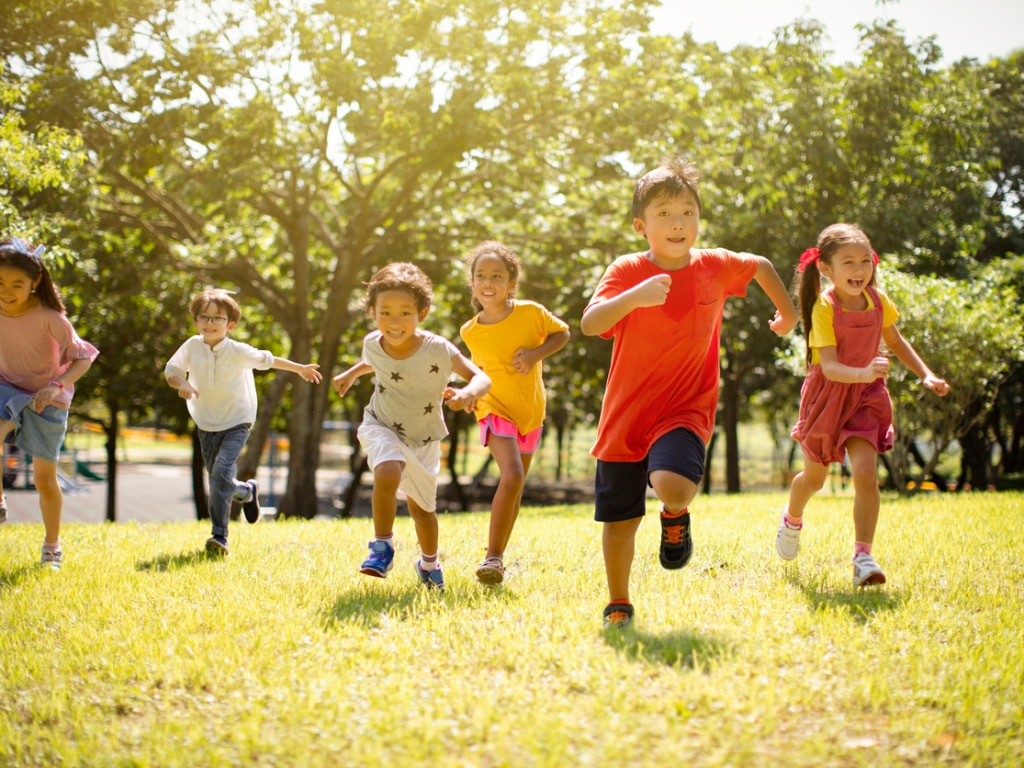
(175,562)
(673,649)
(860,603)
(15,576)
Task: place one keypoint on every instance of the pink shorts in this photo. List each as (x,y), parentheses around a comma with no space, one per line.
(499,427)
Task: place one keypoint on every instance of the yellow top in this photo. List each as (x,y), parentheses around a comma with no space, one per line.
(823,332)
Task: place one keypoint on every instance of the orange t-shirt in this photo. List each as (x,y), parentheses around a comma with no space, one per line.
(664,370)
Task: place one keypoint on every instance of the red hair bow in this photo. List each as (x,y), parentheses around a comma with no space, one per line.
(810,256)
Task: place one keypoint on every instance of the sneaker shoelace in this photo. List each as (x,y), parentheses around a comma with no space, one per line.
(673,534)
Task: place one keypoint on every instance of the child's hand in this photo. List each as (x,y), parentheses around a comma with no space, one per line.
(937,385)
(342,382)
(523,360)
(779,324)
(652,292)
(186,391)
(311,373)
(457,398)
(45,396)
(877,369)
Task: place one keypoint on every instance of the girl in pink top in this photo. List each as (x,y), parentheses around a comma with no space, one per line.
(844,405)
(41,357)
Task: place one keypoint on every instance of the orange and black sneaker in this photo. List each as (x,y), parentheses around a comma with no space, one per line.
(618,615)
(676,544)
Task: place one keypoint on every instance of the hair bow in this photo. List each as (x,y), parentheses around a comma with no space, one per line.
(18,245)
(810,256)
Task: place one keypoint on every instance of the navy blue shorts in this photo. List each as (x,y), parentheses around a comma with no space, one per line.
(620,487)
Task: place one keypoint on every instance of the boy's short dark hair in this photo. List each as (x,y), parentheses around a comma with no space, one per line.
(400,276)
(221,299)
(673,178)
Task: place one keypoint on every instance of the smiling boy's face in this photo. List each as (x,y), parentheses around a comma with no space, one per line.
(213,324)
(671,225)
(397,317)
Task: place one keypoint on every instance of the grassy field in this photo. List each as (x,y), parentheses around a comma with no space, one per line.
(144,652)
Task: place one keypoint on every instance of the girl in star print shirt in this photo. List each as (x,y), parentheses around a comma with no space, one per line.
(403,424)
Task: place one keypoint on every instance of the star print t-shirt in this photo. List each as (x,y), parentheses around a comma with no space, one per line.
(407,393)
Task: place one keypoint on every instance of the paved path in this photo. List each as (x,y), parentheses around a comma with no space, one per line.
(145,493)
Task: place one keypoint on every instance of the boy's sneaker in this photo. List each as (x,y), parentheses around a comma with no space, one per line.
(866,571)
(53,556)
(3,510)
(380,561)
(217,545)
(491,571)
(618,615)
(787,540)
(676,544)
(433,579)
(251,508)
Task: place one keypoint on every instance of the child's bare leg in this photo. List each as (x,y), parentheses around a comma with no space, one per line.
(618,540)
(513,467)
(675,491)
(386,477)
(51,500)
(866,499)
(426,527)
(805,485)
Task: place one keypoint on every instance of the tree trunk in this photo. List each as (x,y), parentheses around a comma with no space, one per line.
(199,479)
(706,483)
(249,462)
(110,428)
(730,427)
(300,495)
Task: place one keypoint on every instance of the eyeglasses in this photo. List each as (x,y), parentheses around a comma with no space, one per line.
(216,320)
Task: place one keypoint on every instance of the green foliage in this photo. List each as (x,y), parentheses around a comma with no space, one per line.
(141,652)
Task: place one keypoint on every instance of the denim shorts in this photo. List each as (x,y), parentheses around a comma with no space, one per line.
(620,487)
(40,435)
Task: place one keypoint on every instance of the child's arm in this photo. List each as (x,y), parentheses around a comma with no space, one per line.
(185,389)
(308,372)
(878,368)
(909,357)
(602,317)
(344,380)
(478,385)
(786,318)
(524,359)
(51,392)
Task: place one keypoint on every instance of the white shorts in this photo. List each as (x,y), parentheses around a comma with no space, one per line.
(420,465)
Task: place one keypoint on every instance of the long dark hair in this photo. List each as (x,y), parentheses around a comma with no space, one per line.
(21,255)
(807,285)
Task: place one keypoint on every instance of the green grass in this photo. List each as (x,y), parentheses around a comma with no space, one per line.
(143,652)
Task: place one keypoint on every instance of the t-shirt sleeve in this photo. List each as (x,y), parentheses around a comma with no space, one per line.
(552,324)
(179,363)
(739,269)
(71,346)
(889,312)
(823,332)
(613,282)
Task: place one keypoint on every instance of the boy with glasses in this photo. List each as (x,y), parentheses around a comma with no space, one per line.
(214,376)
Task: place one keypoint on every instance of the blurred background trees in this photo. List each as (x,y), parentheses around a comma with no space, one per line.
(286,149)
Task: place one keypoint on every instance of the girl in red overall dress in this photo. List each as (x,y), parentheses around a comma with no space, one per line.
(845,409)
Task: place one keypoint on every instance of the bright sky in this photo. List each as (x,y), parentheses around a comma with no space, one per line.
(981,29)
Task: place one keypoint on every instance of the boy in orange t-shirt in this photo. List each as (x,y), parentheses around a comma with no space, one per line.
(664,309)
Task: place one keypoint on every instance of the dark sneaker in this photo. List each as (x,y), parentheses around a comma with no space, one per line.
(217,545)
(251,508)
(618,616)
(433,579)
(676,544)
(380,561)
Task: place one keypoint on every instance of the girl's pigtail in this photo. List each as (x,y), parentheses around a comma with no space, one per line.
(808,287)
(46,291)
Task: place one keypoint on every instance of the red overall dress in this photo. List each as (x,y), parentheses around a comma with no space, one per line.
(832,412)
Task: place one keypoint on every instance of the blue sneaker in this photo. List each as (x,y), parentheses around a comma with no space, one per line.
(380,561)
(433,579)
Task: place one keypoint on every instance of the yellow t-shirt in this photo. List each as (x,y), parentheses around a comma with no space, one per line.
(517,398)
(823,333)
